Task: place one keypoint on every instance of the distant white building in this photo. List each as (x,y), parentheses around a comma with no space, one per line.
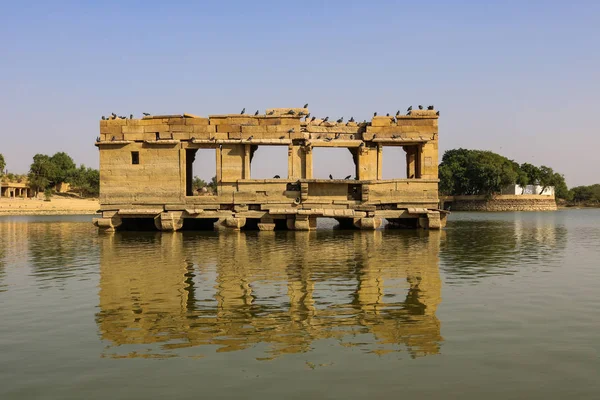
(529,189)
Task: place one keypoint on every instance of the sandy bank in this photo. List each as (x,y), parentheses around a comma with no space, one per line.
(57,206)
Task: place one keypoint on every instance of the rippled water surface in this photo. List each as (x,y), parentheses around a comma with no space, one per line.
(496,306)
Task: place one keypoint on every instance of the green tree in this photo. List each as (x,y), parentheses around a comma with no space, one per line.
(533,173)
(589,194)
(198,183)
(63,167)
(40,173)
(2,164)
(86,181)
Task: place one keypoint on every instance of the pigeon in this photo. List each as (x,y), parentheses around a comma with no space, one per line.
(362,144)
(130,116)
(276,177)
(271,113)
(256,113)
(351,119)
(113,139)
(409,109)
(375,114)
(291,112)
(281,137)
(430,107)
(328,139)
(374,135)
(420,107)
(291,130)
(351,137)
(312,119)
(387,115)
(394,137)
(301,114)
(305,106)
(393,120)
(326,119)
(397,113)
(193,138)
(251,137)
(243,111)
(308,116)
(330,176)
(319,137)
(339,121)
(103,118)
(348,177)
(146,114)
(437,113)
(337,135)
(97,138)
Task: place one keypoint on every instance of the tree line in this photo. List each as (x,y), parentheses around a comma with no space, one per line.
(479,172)
(46,172)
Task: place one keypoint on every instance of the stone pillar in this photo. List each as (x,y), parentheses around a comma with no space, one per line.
(169,221)
(266,223)
(368,223)
(233,223)
(109,222)
(301,223)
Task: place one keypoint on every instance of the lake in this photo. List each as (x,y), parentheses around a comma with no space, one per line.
(496,306)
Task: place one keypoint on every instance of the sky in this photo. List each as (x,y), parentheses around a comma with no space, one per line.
(521,78)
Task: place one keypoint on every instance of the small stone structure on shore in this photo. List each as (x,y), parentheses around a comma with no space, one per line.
(146,172)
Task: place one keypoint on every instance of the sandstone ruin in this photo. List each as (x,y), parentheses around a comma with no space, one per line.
(146,172)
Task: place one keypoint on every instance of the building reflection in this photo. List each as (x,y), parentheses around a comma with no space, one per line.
(190,293)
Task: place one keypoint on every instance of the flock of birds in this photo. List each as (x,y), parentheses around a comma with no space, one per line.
(291,112)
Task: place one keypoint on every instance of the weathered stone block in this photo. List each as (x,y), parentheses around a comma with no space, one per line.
(156,128)
(196,121)
(229,128)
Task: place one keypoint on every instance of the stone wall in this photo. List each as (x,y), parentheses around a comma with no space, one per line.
(500,203)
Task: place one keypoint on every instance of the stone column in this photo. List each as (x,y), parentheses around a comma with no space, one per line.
(169,221)
(109,222)
(233,223)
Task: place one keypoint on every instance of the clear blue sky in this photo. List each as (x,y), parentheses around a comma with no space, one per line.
(521,78)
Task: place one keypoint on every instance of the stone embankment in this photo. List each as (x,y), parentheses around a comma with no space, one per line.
(499,203)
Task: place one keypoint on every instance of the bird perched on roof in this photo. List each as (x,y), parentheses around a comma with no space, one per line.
(330,176)
(103,118)
(271,112)
(393,120)
(362,144)
(394,136)
(308,116)
(430,107)
(193,138)
(387,115)
(337,135)
(351,119)
(397,113)
(375,114)
(351,137)
(305,106)
(130,116)
(146,114)
(256,113)
(312,119)
(291,112)
(348,177)
(113,115)
(243,111)
(276,177)
(374,135)
(301,114)
(97,138)
(281,137)
(251,137)
(328,139)
(420,107)
(113,139)
(409,109)
(437,113)
(291,130)
(339,121)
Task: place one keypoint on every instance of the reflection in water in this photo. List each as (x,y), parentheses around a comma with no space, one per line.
(168,294)
(479,245)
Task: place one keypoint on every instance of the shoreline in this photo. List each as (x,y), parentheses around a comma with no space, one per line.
(56,206)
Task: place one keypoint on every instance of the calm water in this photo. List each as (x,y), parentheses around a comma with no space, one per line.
(497,306)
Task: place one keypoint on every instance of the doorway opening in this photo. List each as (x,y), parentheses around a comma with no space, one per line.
(269,162)
(200,172)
